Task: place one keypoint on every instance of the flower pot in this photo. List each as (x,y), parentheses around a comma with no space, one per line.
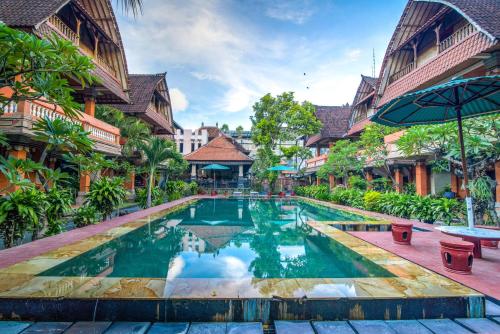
(449,194)
(401,233)
(457,256)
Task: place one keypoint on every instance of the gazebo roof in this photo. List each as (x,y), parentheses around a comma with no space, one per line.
(222,149)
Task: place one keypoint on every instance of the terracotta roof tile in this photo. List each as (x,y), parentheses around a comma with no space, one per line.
(220,149)
(212,131)
(335,121)
(358,127)
(28,13)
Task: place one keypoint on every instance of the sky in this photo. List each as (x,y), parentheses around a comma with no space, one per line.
(221,56)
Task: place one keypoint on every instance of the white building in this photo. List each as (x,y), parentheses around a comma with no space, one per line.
(188,140)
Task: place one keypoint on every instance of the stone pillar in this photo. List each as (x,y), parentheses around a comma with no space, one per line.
(421,182)
(318,181)
(398,178)
(240,171)
(318,150)
(497,190)
(84,187)
(369,179)
(18,152)
(331,181)
(90,105)
(130,182)
(193,172)
(454,182)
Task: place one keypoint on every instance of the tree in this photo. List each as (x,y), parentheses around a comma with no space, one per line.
(239,131)
(224,128)
(106,194)
(38,69)
(342,159)
(157,151)
(299,153)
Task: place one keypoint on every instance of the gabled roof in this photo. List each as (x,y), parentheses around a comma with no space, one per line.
(212,131)
(369,80)
(365,88)
(142,88)
(335,120)
(221,149)
(28,13)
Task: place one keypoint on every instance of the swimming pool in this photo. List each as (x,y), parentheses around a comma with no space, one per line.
(233,238)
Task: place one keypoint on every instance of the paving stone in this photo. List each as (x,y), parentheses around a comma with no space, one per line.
(244,328)
(127,327)
(444,326)
(207,328)
(48,328)
(293,327)
(13,327)
(332,327)
(169,328)
(88,327)
(480,325)
(408,326)
(372,326)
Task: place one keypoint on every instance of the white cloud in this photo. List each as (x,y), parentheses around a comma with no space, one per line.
(295,11)
(179,100)
(353,54)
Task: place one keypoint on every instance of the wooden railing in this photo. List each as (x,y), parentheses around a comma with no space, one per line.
(456,37)
(105,65)
(316,161)
(10,108)
(64,29)
(402,72)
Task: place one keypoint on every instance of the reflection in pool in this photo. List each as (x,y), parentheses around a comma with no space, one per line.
(227,238)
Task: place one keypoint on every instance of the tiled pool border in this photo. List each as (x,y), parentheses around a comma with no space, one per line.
(258,299)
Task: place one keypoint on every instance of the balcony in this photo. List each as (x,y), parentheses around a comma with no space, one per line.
(17,120)
(66,32)
(316,162)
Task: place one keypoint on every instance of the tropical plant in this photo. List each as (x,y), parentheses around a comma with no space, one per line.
(34,69)
(481,190)
(158,197)
(106,194)
(15,171)
(357,182)
(157,151)
(342,159)
(135,131)
(20,211)
(239,131)
(224,128)
(59,203)
(86,215)
(381,184)
(371,199)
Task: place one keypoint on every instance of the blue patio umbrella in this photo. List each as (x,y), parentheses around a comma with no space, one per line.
(281,168)
(215,167)
(453,100)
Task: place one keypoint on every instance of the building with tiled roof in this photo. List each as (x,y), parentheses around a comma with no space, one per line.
(222,150)
(335,121)
(362,106)
(150,101)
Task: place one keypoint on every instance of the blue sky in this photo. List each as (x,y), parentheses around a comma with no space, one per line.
(221,56)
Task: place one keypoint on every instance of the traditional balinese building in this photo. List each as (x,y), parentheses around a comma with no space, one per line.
(222,150)
(433,42)
(363,106)
(335,120)
(91,26)
(150,102)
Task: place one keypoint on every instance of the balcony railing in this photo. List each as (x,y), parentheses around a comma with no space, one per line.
(456,37)
(402,72)
(317,161)
(69,34)
(10,108)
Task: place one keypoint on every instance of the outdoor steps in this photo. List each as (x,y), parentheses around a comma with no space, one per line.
(427,326)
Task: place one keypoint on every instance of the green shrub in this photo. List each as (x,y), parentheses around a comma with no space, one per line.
(193,188)
(381,184)
(106,194)
(357,182)
(371,200)
(86,215)
(58,204)
(351,197)
(157,196)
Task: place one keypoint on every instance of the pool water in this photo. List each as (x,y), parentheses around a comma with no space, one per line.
(228,238)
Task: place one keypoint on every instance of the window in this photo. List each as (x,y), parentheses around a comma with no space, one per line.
(181,147)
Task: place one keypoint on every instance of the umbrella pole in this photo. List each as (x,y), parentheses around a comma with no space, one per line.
(468,198)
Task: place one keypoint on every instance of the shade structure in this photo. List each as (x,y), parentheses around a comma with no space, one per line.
(215,167)
(453,100)
(280,168)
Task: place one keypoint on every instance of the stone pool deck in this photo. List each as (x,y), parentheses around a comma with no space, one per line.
(425,251)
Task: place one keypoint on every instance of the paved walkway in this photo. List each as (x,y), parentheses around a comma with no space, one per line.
(426,252)
(428,326)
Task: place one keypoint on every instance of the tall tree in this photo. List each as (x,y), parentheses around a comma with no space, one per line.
(224,128)
(342,159)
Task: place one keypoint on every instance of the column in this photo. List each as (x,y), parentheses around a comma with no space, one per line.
(398,178)
(84,187)
(369,179)
(497,189)
(193,172)
(318,150)
(18,152)
(90,105)
(331,181)
(240,171)
(318,181)
(421,179)
(130,182)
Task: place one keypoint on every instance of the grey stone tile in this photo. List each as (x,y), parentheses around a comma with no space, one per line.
(444,326)
(127,327)
(88,327)
(293,327)
(372,326)
(332,327)
(244,328)
(408,326)
(207,328)
(169,328)
(480,325)
(13,327)
(48,328)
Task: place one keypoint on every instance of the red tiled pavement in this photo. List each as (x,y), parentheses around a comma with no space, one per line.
(425,251)
(24,252)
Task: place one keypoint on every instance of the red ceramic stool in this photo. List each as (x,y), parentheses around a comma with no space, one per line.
(401,233)
(489,244)
(457,256)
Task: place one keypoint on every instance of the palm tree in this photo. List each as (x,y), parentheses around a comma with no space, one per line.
(134,6)
(135,131)
(157,151)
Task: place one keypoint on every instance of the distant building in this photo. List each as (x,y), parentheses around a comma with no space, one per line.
(188,140)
